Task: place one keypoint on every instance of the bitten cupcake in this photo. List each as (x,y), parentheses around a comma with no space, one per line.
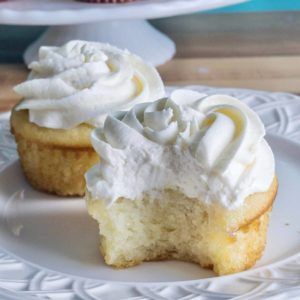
(189,178)
(69,91)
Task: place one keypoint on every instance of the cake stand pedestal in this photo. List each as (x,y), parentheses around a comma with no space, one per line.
(138,36)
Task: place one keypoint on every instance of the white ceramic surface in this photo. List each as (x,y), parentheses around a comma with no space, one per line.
(49,244)
(119,24)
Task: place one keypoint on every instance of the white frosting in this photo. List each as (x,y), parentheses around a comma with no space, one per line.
(211,148)
(81,82)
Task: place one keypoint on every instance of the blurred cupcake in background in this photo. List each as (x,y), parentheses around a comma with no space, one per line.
(69,91)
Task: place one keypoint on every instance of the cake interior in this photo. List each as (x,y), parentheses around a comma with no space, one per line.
(173,226)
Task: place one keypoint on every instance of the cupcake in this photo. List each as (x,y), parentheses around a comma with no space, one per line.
(188,177)
(69,91)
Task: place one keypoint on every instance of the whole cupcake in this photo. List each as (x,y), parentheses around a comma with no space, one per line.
(69,91)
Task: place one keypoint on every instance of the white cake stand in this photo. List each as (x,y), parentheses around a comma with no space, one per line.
(123,25)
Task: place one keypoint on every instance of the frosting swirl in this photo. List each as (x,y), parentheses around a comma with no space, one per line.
(211,148)
(81,82)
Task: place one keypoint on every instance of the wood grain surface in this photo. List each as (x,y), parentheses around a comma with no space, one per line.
(247,50)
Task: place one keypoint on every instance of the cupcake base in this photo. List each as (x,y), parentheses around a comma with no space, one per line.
(55,170)
(53,161)
(177,227)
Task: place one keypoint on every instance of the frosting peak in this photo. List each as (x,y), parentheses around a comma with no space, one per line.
(211,148)
(81,82)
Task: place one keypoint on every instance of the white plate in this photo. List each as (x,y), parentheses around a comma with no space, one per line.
(49,244)
(62,12)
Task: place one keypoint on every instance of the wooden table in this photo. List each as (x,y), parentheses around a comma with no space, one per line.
(247,50)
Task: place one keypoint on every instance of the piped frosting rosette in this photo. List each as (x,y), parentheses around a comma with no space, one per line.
(81,82)
(211,148)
